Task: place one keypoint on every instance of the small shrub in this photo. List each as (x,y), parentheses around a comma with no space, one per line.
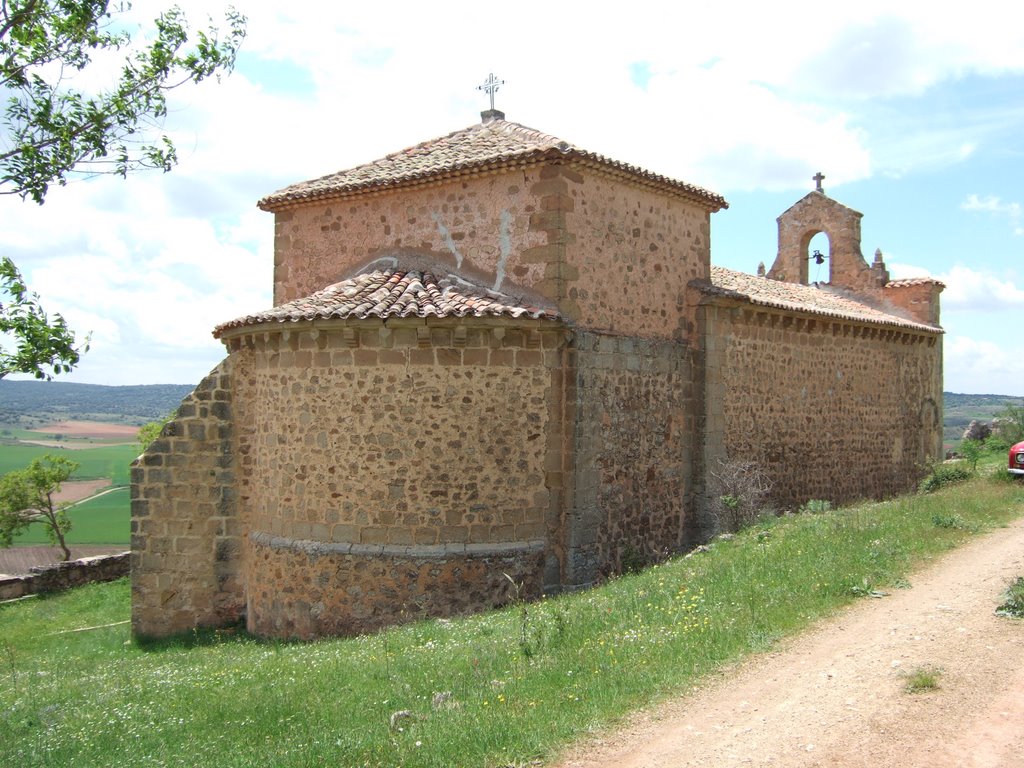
(739,493)
(951,521)
(942,475)
(815,507)
(1013,604)
(971,451)
(148,433)
(631,560)
(996,443)
(922,679)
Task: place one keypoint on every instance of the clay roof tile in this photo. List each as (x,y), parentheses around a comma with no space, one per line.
(817,299)
(908,281)
(484,146)
(395,293)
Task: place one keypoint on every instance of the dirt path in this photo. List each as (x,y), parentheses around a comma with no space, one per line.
(835,695)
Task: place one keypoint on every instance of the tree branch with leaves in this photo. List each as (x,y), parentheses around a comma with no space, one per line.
(44,346)
(53,130)
(50,130)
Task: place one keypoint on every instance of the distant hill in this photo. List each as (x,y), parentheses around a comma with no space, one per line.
(959,410)
(34,402)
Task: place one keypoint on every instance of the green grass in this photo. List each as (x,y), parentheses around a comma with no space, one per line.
(922,679)
(102,461)
(101,520)
(522,685)
(1013,600)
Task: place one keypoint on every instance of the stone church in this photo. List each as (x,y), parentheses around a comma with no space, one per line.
(499,353)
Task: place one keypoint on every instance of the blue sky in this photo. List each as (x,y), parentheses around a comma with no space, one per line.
(914,115)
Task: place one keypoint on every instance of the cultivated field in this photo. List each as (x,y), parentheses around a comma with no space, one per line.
(77,435)
(99,490)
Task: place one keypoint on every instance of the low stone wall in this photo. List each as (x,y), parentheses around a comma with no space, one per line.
(60,576)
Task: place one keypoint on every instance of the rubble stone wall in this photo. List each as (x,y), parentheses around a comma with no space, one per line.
(610,256)
(832,409)
(631,253)
(393,470)
(481,225)
(634,422)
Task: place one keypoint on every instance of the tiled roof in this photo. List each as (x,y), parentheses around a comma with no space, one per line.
(395,293)
(914,281)
(484,146)
(815,299)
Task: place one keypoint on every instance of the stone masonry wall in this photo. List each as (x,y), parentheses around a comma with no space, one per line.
(634,416)
(916,299)
(55,577)
(832,409)
(480,225)
(393,470)
(610,255)
(185,527)
(631,253)
(816,213)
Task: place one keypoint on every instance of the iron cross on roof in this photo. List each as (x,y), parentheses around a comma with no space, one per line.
(818,178)
(491,87)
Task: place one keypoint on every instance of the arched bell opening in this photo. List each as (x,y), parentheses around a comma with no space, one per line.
(818,253)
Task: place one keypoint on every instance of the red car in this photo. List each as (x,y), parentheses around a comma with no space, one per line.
(1017,459)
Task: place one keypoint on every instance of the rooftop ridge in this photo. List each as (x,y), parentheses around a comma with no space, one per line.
(908,281)
(825,300)
(490,145)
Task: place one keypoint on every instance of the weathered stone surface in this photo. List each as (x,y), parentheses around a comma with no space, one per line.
(300,592)
(832,410)
(57,577)
(334,476)
(632,485)
(185,569)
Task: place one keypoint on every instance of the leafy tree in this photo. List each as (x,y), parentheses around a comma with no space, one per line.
(41,342)
(1009,424)
(50,129)
(26,497)
(151,431)
(53,129)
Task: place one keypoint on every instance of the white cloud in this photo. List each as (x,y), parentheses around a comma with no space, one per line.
(756,97)
(979,290)
(900,271)
(994,205)
(983,367)
(967,289)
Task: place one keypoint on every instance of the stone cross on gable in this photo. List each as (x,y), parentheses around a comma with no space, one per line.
(818,178)
(491,85)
